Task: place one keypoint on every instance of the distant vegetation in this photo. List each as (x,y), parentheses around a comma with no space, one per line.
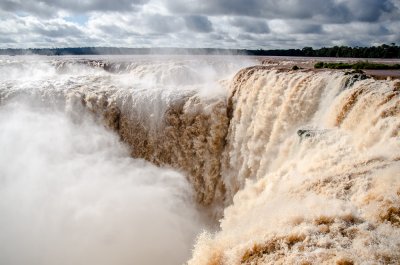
(357,66)
(383,51)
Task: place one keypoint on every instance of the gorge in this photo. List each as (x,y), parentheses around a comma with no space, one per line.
(111,160)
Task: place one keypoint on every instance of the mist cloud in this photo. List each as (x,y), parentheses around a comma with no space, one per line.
(70,194)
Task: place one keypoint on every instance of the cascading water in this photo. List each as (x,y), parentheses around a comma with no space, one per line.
(303,166)
(312,164)
(69,191)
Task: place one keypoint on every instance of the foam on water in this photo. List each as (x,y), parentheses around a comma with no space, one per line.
(327,196)
(302,167)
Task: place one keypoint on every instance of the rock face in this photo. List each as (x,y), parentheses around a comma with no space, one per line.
(157,108)
(191,138)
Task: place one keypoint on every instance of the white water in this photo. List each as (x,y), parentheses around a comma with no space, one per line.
(330,198)
(69,190)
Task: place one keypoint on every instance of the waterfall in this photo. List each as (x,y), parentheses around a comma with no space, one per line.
(301,167)
(311,171)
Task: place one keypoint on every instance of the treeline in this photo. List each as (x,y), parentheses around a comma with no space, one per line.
(357,66)
(383,51)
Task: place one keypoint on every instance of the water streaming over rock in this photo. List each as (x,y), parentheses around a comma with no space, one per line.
(312,165)
(303,167)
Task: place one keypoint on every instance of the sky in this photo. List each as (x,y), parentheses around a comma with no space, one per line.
(244,24)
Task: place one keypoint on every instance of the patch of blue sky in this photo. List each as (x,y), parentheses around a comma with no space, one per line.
(21,13)
(78,19)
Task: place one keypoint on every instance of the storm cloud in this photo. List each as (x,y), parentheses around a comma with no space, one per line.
(51,7)
(198,24)
(253,24)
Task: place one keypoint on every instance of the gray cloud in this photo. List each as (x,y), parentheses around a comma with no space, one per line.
(225,7)
(57,31)
(7,40)
(251,25)
(369,10)
(301,27)
(326,10)
(116,32)
(198,23)
(268,24)
(29,7)
(163,24)
(95,5)
(50,7)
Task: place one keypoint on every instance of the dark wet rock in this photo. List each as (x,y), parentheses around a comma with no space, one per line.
(305,133)
(309,133)
(355,76)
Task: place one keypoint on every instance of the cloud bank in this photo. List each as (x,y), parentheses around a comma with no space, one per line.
(253,24)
